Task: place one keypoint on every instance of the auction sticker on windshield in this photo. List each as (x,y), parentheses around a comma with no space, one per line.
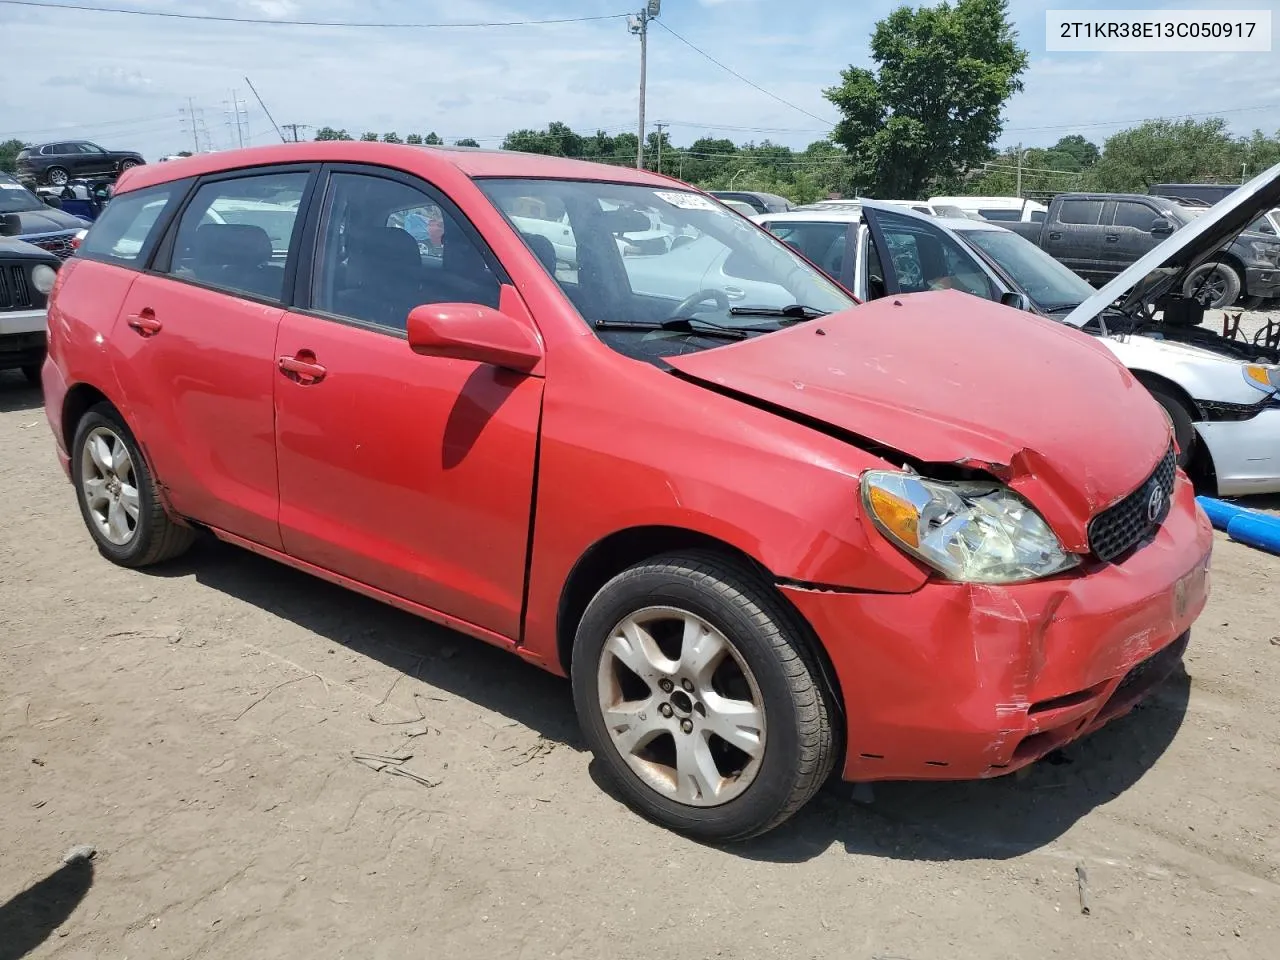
(685,201)
(1158,31)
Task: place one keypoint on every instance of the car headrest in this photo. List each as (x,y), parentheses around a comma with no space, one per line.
(231,244)
(543,249)
(389,248)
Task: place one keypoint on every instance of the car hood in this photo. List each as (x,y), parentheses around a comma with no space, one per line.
(13,247)
(48,220)
(1163,268)
(948,378)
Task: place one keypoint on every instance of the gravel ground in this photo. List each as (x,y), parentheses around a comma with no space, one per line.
(196,724)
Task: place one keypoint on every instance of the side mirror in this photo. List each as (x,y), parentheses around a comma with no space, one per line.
(471,331)
(51,201)
(10,225)
(1019,301)
(1160,227)
(1267,228)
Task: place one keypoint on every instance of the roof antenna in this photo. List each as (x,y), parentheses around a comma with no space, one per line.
(266,111)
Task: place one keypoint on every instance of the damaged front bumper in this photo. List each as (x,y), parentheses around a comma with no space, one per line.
(961,681)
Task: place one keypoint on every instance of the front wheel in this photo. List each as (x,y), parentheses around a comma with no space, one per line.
(700,698)
(1184,431)
(1216,285)
(57,176)
(117,494)
(127,165)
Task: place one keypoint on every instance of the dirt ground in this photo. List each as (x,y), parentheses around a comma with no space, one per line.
(196,725)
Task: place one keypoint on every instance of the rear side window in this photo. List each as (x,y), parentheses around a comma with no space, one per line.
(1081,211)
(126,230)
(1000,213)
(236,234)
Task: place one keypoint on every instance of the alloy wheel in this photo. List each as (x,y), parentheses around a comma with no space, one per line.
(681,706)
(109,485)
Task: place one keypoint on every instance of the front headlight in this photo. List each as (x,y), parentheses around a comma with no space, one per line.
(1262,377)
(1268,253)
(43,277)
(971,532)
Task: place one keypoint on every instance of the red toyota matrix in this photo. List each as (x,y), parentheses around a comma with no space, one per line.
(592,416)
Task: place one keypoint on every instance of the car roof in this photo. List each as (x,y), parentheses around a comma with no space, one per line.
(968,225)
(852,215)
(470,161)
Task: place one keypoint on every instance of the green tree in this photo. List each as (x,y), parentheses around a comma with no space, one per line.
(328,133)
(9,154)
(392,137)
(1167,151)
(465,142)
(433,139)
(414,138)
(369,137)
(932,107)
(1084,152)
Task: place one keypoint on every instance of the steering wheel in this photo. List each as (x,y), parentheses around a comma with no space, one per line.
(689,303)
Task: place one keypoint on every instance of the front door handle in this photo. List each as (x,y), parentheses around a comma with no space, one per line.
(302,368)
(1112,238)
(144,322)
(1055,236)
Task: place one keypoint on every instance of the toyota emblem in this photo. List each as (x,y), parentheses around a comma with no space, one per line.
(1155,504)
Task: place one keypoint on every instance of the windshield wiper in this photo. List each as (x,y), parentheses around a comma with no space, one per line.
(1055,307)
(704,328)
(797,311)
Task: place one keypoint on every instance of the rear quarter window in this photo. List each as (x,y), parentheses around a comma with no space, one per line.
(127,230)
(1080,211)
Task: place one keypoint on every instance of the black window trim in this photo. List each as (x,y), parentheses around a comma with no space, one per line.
(317,211)
(158,230)
(161,261)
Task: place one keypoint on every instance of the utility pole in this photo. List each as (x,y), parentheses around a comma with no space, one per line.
(236,116)
(639,24)
(660,126)
(1019,190)
(293,129)
(195,134)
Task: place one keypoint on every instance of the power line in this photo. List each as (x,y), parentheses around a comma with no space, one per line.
(172,15)
(735,73)
(86,126)
(1119,123)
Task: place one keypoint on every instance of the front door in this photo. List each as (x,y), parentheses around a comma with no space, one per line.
(913,255)
(410,474)
(198,334)
(1128,237)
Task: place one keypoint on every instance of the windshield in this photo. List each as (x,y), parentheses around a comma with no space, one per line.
(637,255)
(1049,284)
(15,198)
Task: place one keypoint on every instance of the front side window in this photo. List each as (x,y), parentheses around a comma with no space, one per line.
(1049,284)
(386,247)
(926,258)
(823,243)
(632,257)
(1135,215)
(236,234)
(125,231)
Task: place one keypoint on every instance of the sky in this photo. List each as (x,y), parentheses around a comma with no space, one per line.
(123,80)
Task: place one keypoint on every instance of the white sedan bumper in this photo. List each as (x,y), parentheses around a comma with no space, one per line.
(1246,453)
(23,321)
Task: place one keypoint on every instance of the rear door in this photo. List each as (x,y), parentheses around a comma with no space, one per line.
(1128,235)
(1074,237)
(407,473)
(197,335)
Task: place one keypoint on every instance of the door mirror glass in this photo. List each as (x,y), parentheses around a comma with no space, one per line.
(472,331)
(52,201)
(1016,300)
(1161,227)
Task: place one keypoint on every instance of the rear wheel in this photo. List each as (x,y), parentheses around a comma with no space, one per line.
(1216,285)
(699,697)
(127,165)
(117,494)
(57,176)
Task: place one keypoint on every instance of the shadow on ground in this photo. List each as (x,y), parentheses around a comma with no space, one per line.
(29,918)
(989,819)
(450,661)
(16,394)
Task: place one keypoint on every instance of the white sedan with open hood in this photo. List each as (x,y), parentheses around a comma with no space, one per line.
(1220,389)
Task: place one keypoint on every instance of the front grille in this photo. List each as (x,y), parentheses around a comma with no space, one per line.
(15,292)
(59,245)
(1124,525)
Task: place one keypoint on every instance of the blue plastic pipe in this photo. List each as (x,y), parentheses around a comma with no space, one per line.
(1249,527)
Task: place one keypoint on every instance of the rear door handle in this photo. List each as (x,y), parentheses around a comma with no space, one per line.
(144,322)
(1055,236)
(302,368)
(1112,238)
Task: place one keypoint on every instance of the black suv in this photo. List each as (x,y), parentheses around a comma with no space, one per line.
(56,163)
(27,274)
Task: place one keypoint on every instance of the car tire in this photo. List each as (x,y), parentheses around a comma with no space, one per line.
(57,176)
(127,165)
(1222,276)
(749,672)
(32,373)
(109,472)
(1184,430)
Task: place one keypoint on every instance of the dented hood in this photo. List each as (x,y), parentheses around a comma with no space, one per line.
(949,378)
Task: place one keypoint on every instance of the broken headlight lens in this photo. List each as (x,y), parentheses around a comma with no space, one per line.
(970,532)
